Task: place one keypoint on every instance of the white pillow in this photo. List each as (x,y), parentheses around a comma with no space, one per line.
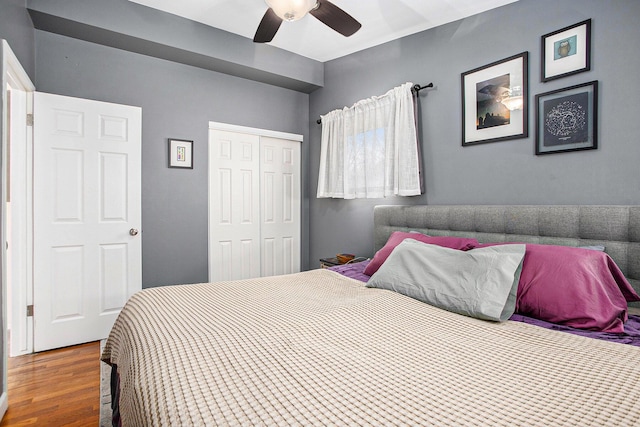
(480,283)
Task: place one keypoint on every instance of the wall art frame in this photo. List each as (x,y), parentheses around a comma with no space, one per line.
(566,51)
(567,119)
(495,100)
(180,153)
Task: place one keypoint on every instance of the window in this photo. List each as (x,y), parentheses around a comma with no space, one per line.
(371,150)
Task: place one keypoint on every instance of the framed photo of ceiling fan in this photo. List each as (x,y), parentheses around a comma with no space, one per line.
(495,101)
(293,10)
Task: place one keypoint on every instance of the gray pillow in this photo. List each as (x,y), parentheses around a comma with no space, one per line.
(593,247)
(480,283)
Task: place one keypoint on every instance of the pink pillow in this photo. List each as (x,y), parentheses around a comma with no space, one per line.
(397,237)
(576,287)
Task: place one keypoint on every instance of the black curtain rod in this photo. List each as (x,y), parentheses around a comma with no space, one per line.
(416,88)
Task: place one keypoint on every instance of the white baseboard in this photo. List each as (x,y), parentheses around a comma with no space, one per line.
(4,404)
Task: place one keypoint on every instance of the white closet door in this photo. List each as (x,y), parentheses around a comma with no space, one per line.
(280,206)
(234,206)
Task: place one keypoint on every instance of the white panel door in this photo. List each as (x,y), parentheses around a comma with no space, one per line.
(280,206)
(87,249)
(234,206)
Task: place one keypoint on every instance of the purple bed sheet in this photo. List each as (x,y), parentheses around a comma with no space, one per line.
(630,336)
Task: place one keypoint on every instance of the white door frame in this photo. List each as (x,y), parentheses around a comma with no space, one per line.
(255,131)
(20,188)
(14,75)
(251,131)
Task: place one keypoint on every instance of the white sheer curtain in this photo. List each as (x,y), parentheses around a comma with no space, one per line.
(370,150)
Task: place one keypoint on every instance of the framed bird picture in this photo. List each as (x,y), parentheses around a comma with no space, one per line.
(495,101)
(566,51)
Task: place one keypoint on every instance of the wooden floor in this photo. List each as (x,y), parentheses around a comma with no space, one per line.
(55,388)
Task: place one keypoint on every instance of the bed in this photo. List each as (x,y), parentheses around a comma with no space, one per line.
(321,348)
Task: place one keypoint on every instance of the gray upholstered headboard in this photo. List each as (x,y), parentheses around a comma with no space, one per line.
(615,227)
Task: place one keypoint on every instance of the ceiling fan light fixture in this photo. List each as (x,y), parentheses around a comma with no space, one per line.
(291,10)
(512,98)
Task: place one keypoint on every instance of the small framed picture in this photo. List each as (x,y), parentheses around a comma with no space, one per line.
(180,153)
(495,101)
(567,119)
(566,51)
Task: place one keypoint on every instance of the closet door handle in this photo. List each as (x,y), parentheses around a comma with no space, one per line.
(133,232)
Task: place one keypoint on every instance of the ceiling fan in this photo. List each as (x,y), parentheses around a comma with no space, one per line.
(292,10)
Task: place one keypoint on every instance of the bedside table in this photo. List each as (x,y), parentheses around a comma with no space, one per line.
(329,262)
(332,262)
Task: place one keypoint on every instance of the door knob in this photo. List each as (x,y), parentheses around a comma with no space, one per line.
(133,232)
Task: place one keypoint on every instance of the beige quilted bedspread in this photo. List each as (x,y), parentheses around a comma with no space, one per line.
(316,348)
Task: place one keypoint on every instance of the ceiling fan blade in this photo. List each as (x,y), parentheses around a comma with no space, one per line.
(335,18)
(268,27)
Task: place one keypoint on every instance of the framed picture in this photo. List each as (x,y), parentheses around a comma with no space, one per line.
(567,119)
(180,153)
(495,100)
(566,51)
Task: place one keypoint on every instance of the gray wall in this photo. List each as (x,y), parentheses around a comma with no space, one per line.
(496,173)
(17,30)
(177,101)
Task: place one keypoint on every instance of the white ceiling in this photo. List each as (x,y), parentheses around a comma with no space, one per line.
(382,21)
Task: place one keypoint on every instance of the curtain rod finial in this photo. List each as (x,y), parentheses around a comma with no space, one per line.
(417,88)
